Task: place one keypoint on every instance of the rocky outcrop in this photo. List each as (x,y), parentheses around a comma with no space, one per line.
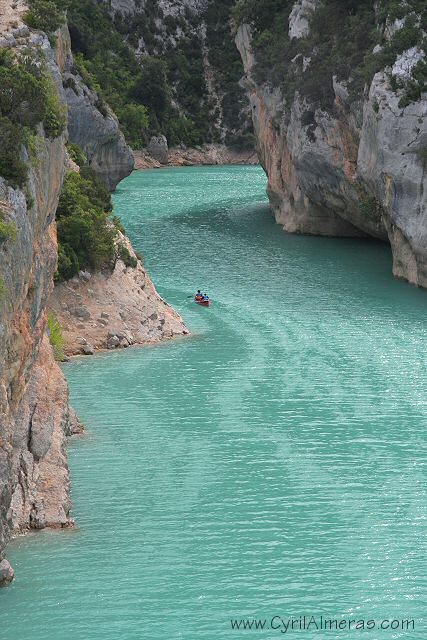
(94,127)
(357,168)
(35,417)
(113,310)
(158,149)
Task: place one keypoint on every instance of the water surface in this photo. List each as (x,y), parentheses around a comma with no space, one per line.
(273,464)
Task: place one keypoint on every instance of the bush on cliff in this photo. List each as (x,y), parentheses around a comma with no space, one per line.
(144,92)
(56,338)
(342,37)
(85,233)
(45,15)
(27,98)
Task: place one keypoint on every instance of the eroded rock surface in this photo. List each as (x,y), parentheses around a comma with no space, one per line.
(113,310)
(357,168)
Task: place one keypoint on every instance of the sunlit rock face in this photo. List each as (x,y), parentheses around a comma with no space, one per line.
(356,168)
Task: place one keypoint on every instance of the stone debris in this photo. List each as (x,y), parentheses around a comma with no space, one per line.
(114,310)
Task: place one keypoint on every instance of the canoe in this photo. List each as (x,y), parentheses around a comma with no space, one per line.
(203,303)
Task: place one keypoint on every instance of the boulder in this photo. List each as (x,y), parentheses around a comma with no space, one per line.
(158,149)
(6,573)
(81,312)
(113,342)
(88,349)
(85,275)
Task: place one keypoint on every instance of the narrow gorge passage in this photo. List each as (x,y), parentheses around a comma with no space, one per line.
(272,464)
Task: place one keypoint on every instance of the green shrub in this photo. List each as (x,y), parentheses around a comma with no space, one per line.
(28,97)
(76,154)
(85,234)
(118,224)
(45,15)
(126,257)
(370,207)
(7,230)
(134,122)
(56,338)
(2,288)
(12,167)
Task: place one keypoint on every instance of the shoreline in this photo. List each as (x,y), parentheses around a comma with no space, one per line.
(206,155)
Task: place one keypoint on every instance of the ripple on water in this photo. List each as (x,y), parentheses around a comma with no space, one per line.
(272,464)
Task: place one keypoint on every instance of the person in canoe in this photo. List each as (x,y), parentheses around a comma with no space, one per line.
(202,298)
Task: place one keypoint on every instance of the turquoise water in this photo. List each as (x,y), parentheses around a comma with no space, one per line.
(273,464)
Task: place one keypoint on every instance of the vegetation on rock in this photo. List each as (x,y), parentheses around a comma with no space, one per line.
(56,338)
(45,15)
(342,42)
(7,229)
(27,99)
(163,91)
(85,233)
(126,257)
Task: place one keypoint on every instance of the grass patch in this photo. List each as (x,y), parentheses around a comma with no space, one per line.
(56,338)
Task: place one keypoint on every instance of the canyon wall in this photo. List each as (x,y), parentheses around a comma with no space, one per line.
(35,416)
(355,167)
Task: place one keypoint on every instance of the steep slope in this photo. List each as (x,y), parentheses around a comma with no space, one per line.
(166,68)
(34,414)
(339,110)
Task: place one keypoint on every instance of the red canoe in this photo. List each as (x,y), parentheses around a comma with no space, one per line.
(203,303)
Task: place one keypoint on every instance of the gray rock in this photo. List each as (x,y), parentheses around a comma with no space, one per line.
(354,168)
(102,322)
(88,349)
(81,312)
(7,41)
(6,573)
(40,433)
(21,31)
(113,342)
(97,133)
(75,426)
(105,315)
(85,275)
(158,149)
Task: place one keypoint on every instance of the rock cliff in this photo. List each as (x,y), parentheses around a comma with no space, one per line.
(94,127)
(35,416)
(352,165)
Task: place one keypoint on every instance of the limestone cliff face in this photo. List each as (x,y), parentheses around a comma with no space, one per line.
(357,168)
(34,412)
(92,125)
